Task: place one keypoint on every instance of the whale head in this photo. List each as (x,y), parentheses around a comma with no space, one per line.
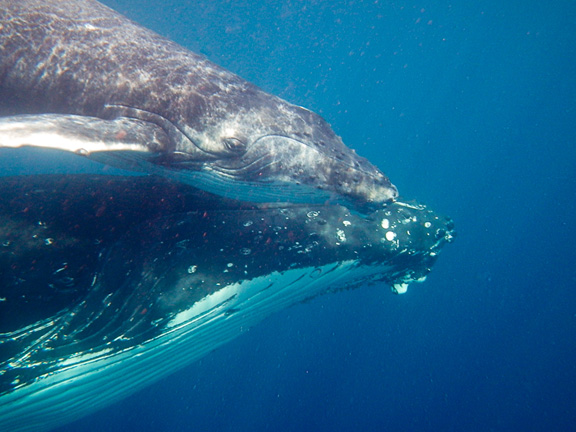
(249,138)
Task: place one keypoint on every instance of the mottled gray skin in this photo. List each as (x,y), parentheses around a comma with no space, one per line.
(80,57)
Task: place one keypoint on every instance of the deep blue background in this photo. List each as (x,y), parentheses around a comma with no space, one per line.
(467,106)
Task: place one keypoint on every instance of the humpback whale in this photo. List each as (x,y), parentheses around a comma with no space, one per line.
(108,283)
(79,77)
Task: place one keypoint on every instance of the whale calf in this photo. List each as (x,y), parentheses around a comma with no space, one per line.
(108,283)
(79,77)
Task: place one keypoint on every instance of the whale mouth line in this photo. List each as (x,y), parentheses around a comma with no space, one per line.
(249,170)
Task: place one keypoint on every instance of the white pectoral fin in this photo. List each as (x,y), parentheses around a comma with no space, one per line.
(87,136)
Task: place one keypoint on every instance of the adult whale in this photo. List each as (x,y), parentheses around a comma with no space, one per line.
(110,283)
(77,76)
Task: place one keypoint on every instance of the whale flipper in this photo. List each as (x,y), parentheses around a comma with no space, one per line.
(93,137)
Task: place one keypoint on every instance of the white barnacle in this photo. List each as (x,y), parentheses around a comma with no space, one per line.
(192,269)
(390,235)
(347,223)
(385,223)
(341,235)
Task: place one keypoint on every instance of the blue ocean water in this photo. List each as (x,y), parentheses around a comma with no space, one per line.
(469,107)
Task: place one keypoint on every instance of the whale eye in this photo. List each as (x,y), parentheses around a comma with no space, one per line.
(234,145)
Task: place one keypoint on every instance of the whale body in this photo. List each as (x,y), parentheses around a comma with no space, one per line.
(79,77)
(110,283)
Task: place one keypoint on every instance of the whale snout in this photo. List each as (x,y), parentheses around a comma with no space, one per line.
(363,188)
